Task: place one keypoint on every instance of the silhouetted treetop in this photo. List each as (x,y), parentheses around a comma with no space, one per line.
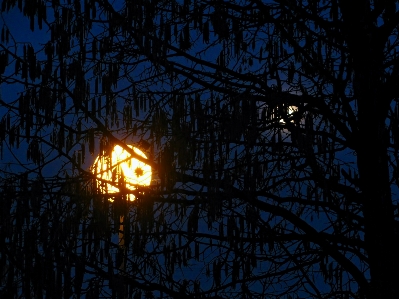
(271,128)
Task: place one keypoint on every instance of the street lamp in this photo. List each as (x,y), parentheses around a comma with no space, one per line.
(290,111)
(117,175)
(111,169)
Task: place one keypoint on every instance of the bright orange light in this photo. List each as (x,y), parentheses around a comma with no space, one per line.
(119,165)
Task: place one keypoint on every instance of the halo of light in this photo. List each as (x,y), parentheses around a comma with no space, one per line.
(290,110)
(120,166)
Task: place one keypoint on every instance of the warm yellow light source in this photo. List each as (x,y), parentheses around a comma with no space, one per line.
(290,111)
(120,169)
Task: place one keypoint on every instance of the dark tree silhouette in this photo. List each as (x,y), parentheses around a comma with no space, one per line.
(271,128)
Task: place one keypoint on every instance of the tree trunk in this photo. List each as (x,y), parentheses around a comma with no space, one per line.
(372,145)
(366,49)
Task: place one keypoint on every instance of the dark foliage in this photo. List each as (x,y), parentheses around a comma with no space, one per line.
(271,128)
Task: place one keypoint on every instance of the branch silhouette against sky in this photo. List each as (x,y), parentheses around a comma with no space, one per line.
(271,130)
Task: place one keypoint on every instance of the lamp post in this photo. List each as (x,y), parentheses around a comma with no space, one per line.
(110,168)
(116,173)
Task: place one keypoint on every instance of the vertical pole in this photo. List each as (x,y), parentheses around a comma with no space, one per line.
(122,248)
(121,236)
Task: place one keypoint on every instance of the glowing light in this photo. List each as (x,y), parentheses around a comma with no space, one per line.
(120,170)
(290,111)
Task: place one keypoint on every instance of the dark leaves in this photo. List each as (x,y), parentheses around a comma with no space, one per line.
(205,32)
(3,61)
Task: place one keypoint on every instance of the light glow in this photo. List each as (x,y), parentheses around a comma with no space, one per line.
(290,111)
(120,169)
